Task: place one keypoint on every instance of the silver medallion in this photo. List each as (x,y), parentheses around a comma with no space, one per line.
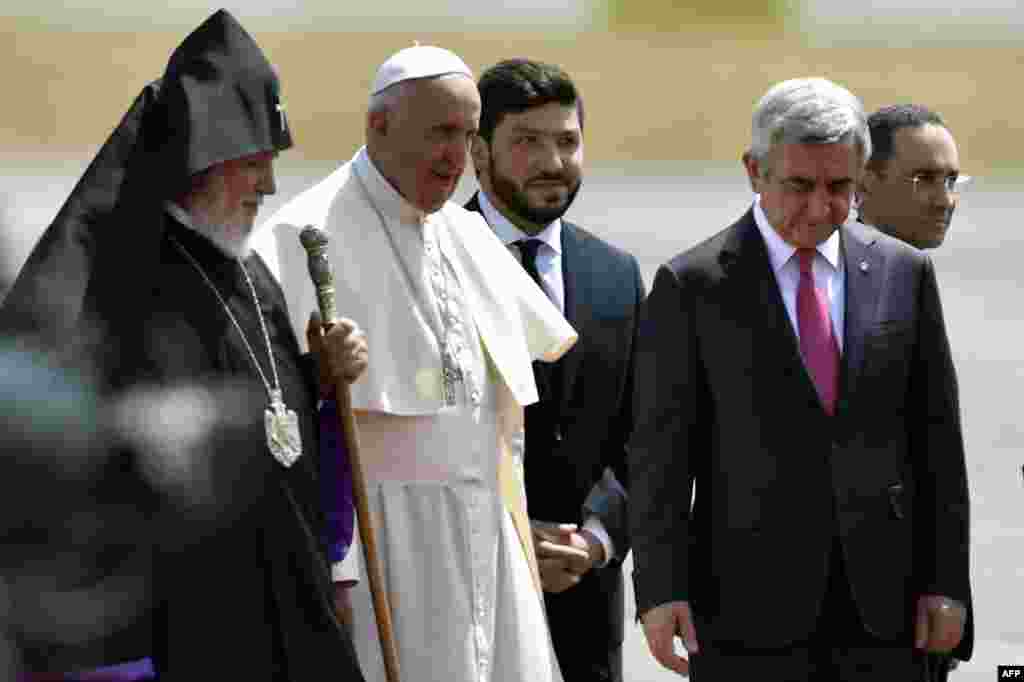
(282,427)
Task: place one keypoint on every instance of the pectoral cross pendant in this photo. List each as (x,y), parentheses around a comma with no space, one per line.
(282,426)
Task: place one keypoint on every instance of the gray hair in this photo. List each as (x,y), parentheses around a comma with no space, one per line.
(388,98)
(809,111)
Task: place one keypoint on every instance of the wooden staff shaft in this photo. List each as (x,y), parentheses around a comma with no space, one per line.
(315,241)
(381,603)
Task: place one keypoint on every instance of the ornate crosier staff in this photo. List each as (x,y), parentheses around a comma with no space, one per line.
(315,241)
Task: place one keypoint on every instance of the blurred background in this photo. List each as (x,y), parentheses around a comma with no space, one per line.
(669,92)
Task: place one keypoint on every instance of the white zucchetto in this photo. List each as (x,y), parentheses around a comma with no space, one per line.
(419,61)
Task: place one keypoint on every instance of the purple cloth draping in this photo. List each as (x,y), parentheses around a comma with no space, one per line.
(335,484)
(134,671)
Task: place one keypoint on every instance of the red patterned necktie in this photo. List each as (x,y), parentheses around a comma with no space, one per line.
(817,341)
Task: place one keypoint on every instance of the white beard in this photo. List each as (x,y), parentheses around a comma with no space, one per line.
(232,240)
(226,240)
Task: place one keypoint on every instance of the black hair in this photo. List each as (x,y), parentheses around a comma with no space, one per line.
(884,123)
(515,85)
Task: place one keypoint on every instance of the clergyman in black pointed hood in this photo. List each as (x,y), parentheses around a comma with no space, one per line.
(219,511)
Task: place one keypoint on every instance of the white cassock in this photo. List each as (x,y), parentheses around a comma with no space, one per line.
(433,291)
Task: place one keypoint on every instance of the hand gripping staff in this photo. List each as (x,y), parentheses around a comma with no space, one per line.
(314,241)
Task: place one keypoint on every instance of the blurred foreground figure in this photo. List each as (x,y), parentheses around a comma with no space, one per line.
(455,323)
(216,485)
(54,446)
(796,371)
(912,183)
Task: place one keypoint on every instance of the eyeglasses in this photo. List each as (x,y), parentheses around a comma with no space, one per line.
(931,183)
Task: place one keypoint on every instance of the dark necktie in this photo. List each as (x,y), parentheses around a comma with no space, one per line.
(817,341)
(543,372)
(529,249)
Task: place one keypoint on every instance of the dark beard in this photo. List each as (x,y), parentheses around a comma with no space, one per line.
(515,200)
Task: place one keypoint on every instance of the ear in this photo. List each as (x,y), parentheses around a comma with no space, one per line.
(480,152)
(753,167)
(377,121)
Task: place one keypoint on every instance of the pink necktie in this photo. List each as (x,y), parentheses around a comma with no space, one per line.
(817,341)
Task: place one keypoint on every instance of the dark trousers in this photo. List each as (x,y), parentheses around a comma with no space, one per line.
(580,635)
(580,664)
(839,650)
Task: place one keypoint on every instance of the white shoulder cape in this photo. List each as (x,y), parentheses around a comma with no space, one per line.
(515,320)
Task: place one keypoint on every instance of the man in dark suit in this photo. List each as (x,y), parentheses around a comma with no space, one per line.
(798,374)
(528,158)
(910,189)
(912,183)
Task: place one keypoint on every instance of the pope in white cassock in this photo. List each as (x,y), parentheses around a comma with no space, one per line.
(454,323)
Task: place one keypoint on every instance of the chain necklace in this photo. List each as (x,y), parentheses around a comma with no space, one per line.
(451,371)
(280,423)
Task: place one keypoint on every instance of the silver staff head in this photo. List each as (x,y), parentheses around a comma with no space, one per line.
(315,241)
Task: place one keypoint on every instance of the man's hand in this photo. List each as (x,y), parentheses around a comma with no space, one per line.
(939,623)
(563,555)
(342,354)
(664,622)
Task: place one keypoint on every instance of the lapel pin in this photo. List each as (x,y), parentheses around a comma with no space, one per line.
(864,266)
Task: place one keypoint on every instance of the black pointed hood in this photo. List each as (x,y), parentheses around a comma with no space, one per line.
(218,99)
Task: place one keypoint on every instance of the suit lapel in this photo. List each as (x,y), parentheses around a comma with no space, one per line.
(863,265)
(745,257)
(578,283)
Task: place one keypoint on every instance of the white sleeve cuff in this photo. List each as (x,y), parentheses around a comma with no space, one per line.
(594,525)
(347,570)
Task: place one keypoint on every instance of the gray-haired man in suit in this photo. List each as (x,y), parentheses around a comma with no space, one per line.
(796,370)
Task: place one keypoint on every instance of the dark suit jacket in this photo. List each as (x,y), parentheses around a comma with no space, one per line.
(723,403)
(569,444)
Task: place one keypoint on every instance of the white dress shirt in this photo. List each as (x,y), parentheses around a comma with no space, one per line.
(549,255)
(549,267)
(827,268)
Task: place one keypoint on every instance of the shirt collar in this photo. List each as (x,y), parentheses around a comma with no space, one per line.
(780,251)
(508,233)
(386,198)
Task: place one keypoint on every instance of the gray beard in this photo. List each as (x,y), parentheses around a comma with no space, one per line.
(223,237)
